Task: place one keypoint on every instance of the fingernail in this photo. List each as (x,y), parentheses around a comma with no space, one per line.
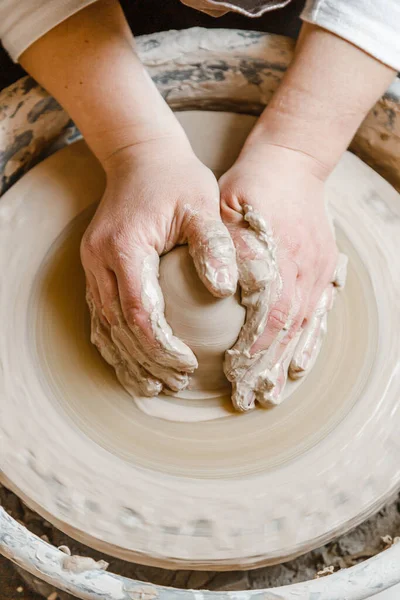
(177,381)
(298,367)
(271,397)
(148,387)
(296,371)
(275,396)
(225,282)
(243,399)
(304,361)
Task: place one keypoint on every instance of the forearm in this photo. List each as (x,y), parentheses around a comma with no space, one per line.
(88,63)
(325,95)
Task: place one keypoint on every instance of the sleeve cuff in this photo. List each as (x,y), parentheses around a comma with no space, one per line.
(372,26)
(25,22)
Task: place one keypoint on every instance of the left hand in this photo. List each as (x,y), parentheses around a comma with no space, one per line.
(158,195)
(272,201)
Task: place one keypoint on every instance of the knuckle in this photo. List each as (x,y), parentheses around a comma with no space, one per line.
(90,245)
(293,331)
(97,243)
(287,339)
(229,216)
(232,192)
(231,209)
(229,199)
(115,243)
(134,315)
(130,315)
(207,199)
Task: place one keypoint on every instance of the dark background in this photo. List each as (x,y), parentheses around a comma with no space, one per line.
(149,16)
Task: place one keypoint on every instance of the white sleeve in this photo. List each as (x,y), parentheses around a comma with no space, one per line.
(372,25)
(22,22)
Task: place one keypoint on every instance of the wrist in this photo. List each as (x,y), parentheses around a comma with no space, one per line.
(325,94)
(155,145)
(281,161)
(301,124)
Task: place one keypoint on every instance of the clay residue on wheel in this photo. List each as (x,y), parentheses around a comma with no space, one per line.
(365,541)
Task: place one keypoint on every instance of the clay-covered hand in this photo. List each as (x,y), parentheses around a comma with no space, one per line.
(272,203)
(158,195)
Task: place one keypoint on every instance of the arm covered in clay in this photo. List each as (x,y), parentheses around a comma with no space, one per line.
(273,205)
(158,194)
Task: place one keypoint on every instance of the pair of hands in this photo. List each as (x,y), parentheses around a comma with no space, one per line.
(264,225)
(158,195)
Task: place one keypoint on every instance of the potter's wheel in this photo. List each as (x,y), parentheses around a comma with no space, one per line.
(229,492)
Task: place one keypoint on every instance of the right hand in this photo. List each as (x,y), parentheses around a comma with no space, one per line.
(158,195)
(272,201)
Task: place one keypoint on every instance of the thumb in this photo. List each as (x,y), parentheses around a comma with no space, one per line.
(214,256)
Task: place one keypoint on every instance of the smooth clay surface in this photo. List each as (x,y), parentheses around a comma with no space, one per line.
(208,326)
(224,493)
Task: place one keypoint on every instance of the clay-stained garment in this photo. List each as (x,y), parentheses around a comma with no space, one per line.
(249,8)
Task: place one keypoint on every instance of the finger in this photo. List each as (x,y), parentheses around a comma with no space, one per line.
(271,384)
(125,343)
(243,396)
(315,327)
(214,256)
(335,274)
(283,313)
(130,374)
(266,377)
(92,290)
(108,290)
(134,377)
(93,294)
(310,341)
(259,278)
(129,347)
(261,285)
(143,306)
(137,381)
(277,357)
(274,361)
(274,348)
